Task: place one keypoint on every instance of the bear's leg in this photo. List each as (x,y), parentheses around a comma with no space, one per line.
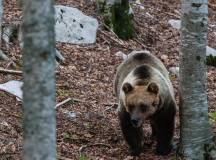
(165,125)
(133,135)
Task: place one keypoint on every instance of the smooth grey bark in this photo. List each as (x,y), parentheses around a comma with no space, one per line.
(1,20)
(39,121)
(196,138)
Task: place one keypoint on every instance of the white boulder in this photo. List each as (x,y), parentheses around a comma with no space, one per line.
(175,23)
(210,51)
(72,26)
(13,87)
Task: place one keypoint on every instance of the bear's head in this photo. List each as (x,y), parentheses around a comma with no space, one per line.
(141,101)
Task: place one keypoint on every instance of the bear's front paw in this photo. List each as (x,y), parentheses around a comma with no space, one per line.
(135,151)
(163,150)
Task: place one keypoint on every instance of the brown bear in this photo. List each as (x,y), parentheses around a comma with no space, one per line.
(144,92)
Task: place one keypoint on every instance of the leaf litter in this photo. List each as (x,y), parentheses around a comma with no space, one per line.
(87,75)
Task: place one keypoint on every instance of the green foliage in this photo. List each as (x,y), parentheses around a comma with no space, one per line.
(122,21)
(83,157)
(211,60)
(173,157)
(66,135)
(212,116)
(119,19)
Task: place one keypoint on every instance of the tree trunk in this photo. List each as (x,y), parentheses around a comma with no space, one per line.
(39,80)
(196,138)
(118,16)
(1,20)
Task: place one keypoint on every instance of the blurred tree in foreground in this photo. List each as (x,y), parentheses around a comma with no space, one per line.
(1,19)
(39,80)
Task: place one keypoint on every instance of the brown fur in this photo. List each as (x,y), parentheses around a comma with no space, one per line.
(144,91)
(135,59)
(135,99)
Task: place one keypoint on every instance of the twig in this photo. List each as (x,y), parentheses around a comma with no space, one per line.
(63,158)
(82,148)
(138,4)
(136,40)
(11,63)
(110,104)
(174,15)
(79,100)
(63,102)
(11,114)
(113,105)
(8,71)
(107,27)
(8,153)
(68,100)
(117,41)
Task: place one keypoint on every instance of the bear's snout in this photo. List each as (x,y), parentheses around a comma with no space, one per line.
(135,122)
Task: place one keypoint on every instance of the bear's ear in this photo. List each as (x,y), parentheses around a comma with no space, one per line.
(127,87)
(153,87)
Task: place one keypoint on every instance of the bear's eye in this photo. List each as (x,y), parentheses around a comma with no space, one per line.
(130,108)
(143,108)
(154,104)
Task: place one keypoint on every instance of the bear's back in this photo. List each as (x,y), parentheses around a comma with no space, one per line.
(134,60)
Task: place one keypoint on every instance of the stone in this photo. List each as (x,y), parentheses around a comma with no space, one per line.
(175,23)
(13,87)
(210,51)
(121,54)
(72,26)
(174,71)
(3,56)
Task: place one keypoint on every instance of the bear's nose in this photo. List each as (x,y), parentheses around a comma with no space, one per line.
(135,122)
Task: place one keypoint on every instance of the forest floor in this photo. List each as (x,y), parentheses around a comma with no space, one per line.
(87,77)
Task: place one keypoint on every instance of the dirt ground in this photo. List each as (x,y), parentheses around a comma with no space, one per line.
(87,77)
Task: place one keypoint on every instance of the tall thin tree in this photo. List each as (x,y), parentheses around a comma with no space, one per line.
(39,80)
(1,19)
(196,138)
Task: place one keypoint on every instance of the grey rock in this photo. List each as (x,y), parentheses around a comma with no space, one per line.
(174,71)
(13,87)
(72,26)
(3,56)
(210,51)
(175,23)
(121,55)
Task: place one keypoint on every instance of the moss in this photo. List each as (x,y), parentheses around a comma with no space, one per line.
(83,157)
(101,5)
(122,21)
(108,16)
(211,60)
(119,19)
